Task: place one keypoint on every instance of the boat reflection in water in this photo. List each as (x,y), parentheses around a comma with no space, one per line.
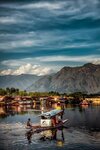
(55,135)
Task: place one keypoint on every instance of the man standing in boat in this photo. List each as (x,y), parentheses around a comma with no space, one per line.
(60,107)
(58,118)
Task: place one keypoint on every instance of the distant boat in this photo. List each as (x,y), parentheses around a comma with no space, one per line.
(84,102)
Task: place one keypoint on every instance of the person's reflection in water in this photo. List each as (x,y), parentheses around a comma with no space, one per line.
(60,141)
(29,136)
(54,134)
(63,136)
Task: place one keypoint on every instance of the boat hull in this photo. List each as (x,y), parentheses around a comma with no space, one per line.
(38,128)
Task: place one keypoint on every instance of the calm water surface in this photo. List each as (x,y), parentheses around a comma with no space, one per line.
(82,131)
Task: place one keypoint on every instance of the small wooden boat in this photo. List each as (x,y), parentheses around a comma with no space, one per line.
(38,128)
(46,121)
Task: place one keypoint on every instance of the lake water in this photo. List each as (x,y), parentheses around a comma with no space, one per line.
(82,130)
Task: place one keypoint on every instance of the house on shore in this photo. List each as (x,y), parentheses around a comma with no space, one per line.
(93,100)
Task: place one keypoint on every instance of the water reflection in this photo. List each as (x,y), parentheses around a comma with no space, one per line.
(79,116)
(56,135)
(83,128)
(29,136)
(13,110)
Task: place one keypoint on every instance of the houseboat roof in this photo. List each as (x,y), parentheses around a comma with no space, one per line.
(51,113)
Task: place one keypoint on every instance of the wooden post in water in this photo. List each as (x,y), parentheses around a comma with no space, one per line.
(42,105)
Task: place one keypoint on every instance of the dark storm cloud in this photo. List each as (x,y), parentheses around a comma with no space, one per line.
(38,28)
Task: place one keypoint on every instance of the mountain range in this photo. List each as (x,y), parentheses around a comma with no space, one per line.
(84,78)
(17,81)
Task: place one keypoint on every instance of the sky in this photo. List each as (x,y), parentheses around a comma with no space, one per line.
(42,36)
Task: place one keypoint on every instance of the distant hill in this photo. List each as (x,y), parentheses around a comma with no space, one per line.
(17,81)
(85,78)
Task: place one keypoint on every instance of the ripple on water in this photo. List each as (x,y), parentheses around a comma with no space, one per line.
(12,136)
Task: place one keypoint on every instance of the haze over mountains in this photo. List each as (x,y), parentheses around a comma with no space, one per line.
(85,78)
(17,81)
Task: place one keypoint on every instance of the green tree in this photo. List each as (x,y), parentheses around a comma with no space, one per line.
(3,92)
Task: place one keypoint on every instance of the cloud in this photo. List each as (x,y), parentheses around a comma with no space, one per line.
(96,61)
(48,40)
(18,44)
(27,69)
(75,9)
(11,41)
(6,72)
(49,27)
(44,5)
(20,36)
(37,60)
(12,19)
(82,45)
(50,60)
(8,20)
(89,58)
(37,5)
(72,10)
(17,67)
(15,63)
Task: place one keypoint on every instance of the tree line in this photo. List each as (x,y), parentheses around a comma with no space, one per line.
(15,92)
